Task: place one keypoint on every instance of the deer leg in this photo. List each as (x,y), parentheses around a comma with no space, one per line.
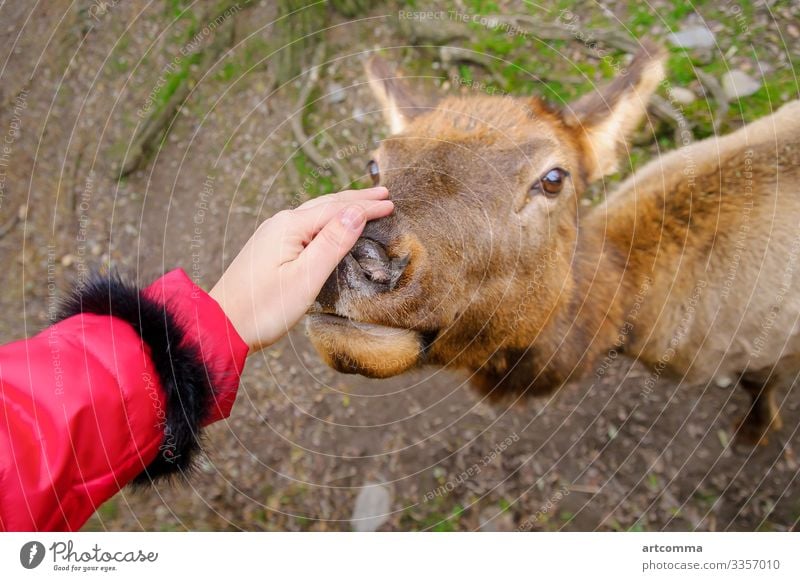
(762,416)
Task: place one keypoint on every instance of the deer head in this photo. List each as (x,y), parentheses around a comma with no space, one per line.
(478,255)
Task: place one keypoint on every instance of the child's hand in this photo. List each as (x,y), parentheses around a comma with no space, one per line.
(280,271)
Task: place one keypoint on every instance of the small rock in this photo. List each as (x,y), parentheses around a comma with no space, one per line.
(738,84)
(359,114)
(205,465)
(682,96)
(67,260)
(491,521)
(693,37)
(372,508)
(723,381)
(336,94)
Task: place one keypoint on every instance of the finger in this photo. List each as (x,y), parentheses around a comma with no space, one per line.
(379,193)
(296,229)
(326,250)
(312,220)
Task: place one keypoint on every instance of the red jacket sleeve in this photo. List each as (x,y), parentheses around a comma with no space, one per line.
(115,393)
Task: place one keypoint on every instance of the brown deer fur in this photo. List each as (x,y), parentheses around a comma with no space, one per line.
(690,265)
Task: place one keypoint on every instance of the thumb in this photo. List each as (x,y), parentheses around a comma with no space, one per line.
(330,245)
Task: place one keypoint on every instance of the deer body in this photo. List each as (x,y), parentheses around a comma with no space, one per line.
(692,264)
(721,245)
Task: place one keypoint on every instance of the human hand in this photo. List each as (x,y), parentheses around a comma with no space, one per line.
(278,274)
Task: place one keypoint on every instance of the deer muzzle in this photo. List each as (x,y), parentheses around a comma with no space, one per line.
(366,271)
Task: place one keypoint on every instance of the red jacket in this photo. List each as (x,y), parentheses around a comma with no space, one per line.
(115,392)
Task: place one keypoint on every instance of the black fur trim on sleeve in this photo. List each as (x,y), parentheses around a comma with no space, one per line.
(184,378)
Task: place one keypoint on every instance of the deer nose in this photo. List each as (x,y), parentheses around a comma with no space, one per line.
(368,267)
(367,270)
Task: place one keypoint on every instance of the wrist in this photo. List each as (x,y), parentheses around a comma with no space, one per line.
(235,313)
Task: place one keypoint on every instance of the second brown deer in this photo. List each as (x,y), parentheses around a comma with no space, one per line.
(689,266)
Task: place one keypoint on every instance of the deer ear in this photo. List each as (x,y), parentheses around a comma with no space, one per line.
(398,102)
(605,118)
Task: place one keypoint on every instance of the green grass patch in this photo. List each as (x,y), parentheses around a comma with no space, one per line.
(482,6)
(247,58)
(315,182)
(446,523)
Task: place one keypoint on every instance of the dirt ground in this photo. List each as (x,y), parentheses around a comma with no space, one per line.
(303,440)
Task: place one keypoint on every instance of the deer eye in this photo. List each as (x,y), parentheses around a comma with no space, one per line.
(374,172)
(550,183)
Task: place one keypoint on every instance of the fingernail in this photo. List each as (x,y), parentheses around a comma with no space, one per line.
(352,217)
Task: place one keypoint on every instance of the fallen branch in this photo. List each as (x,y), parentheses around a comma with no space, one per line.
(711,85)
(306,145)
(552,31)
(151,131)
(155,127)
(295,183)
(665,111)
